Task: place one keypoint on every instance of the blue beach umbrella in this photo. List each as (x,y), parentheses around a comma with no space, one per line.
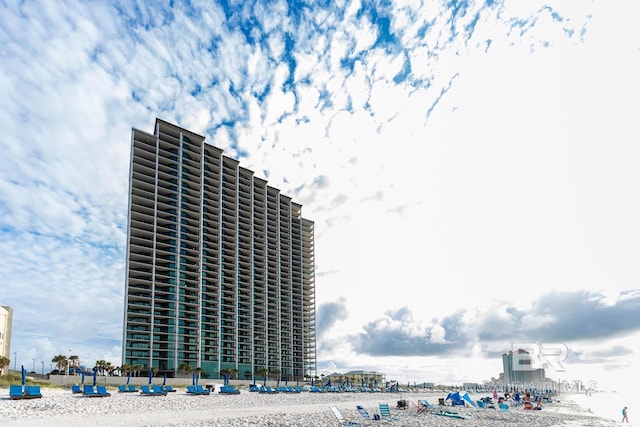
(311,381)
(95,376)
(286,380)
(254,379)
(193,378)
(24,375)
(150,376)
(265,380)
(164,381)
(278,383)
(82,376)
(128,377)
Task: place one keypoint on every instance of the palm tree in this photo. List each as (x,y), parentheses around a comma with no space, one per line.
(137,369)
(125,368)
(261,372)
(224,372)
(102,366)
(60,361)
(4,362)
(275,372)
(185,368)
(74,361)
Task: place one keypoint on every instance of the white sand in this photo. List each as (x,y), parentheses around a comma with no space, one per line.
(62,408)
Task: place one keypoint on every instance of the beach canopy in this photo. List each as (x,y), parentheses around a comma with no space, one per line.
(460,398)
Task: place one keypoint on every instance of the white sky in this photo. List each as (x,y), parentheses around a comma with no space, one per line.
(488,196)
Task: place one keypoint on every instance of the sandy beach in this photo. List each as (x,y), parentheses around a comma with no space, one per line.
(60,407)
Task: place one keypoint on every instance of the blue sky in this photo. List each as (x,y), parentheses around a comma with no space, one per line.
(471,168)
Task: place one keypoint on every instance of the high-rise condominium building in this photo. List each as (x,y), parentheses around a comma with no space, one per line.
(220,265)
(6,315)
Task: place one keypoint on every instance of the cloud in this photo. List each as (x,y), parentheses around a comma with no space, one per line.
(328,314)
(567,317)
(471,130)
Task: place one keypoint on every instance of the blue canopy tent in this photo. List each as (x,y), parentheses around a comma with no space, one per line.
(460,398)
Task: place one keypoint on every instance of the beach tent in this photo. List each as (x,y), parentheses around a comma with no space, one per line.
(460,398)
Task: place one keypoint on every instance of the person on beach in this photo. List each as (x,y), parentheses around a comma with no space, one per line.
(624,415)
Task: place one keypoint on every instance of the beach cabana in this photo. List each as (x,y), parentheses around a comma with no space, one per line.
(460,398)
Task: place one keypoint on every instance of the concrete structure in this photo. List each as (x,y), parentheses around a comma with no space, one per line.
(520,371)
(6,317)
(220,265)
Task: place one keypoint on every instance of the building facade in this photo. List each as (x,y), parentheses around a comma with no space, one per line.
(6,318)
(220,265)
(520,370)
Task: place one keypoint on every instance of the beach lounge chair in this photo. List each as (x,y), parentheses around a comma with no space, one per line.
(341,419)
(202,390)
(15,392)
(363,412)
(145,390)
(90,391)
(420,408)
(385,412)
(75,389)
(32,391)
(122,389)
(504,407)
(102,391)
(158,389)
(168,389)
(228,389)
(131,389)
(192,389)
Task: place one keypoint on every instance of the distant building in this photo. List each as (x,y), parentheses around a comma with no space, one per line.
(6,316)
(357,378)
(220,265)
(520,371)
